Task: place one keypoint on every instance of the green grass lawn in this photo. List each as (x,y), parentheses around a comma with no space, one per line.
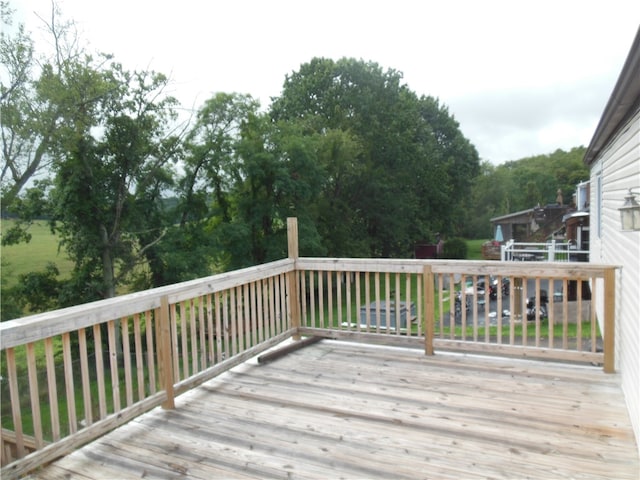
(33,256)
(474,249)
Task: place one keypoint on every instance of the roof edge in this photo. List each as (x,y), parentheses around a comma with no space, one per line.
(622,101)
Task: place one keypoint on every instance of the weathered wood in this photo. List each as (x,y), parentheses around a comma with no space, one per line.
(292,347)
(225,365)
(102,393)
(293,277)
(609,320)
(51,324)
(84,371)
(126,353)
(429,309)
(165,363)
(70,443)
(576,270)
(72,420)
(394,413)
(137,342)
(280,294)
(14,394)
(34,393)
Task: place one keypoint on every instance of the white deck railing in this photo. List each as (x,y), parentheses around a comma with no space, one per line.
(542,252)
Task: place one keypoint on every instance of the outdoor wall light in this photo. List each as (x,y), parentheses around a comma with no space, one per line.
(630,213)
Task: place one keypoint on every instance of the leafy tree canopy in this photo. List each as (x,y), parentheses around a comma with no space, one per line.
(408,169)
(523,184)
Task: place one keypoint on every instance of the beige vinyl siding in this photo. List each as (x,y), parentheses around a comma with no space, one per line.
(619,169)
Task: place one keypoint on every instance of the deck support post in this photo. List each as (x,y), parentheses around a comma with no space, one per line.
(429,309)
(292,276)
(165,368)
(609,334)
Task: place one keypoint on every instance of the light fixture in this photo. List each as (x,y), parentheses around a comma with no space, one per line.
(630,213)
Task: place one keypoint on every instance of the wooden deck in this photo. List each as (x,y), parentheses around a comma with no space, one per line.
(341,410)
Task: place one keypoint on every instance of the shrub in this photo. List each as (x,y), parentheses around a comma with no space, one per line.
(455,248)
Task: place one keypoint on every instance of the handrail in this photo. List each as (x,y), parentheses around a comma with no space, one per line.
(56,322)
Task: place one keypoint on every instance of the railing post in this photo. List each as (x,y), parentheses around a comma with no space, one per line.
(294,302)
(609,334)
(429,309)
(165,368)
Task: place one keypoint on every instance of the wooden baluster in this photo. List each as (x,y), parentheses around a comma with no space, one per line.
(256,305)
(193,326)
(248,320)
(592,316)
(579,315)
(565,314)
(398,303)
(137,343)
(113,365)
(609,319)
(68,382)
(538,306)
(348,299)
(128,383)
(499,309)
(376,286)
(202,333)
(34,394)
(14,394)
(211,331)
(165,363)
(86,382)
(101,385)
(233,321)
(429,310)
(321,318)
(175,353)
(358,294)
(149,324)
(227,324)
(340,320)
(221,327)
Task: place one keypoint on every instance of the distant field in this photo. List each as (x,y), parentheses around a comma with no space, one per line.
(43,248)
(32,256)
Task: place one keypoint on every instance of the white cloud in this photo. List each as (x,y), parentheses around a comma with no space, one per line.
(518,76)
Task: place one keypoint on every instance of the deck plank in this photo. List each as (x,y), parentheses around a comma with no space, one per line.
(341,410)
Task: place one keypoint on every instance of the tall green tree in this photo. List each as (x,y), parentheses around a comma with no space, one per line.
(405,178)
(204,189)
(521,185)
(275,174)
(111,152)
(31,112)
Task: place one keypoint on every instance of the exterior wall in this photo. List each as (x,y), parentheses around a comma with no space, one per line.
(616,169)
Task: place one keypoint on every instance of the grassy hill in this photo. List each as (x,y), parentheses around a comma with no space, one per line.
(33,256)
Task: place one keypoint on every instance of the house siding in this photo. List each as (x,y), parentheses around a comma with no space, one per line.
(617,168)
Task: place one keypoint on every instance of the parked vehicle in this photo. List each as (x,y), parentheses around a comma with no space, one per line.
(531,306)
(494,288)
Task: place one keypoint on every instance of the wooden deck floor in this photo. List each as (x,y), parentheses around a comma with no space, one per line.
(339,410)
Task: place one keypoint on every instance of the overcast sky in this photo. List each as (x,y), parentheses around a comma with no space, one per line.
(522,78)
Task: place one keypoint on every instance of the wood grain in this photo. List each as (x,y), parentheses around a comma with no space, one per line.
(343,410)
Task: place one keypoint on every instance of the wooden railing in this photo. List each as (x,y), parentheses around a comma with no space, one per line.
(71,375)
(541,310)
